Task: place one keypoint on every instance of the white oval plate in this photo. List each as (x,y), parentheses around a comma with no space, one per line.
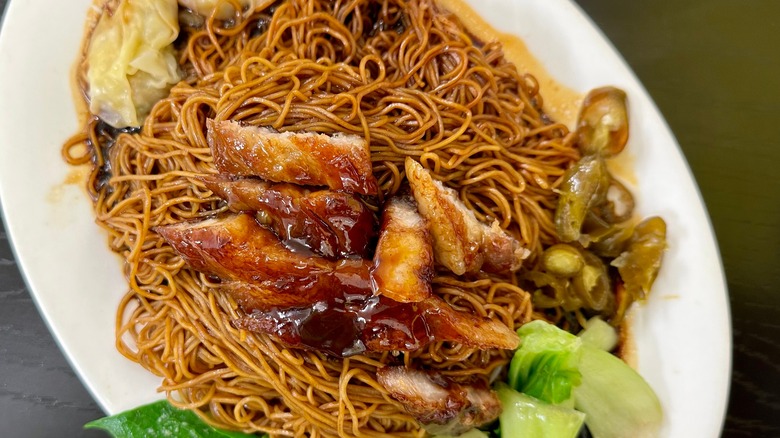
(682,333)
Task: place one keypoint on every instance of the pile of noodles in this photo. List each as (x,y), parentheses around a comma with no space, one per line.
(403,74)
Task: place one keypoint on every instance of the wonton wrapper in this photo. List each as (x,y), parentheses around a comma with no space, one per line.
(130,61)
(225,11)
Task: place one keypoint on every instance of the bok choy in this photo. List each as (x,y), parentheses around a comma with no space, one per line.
(557,367)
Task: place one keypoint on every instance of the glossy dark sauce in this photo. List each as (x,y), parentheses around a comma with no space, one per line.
(332,224)
(106,136)
(383,20)
(347,325)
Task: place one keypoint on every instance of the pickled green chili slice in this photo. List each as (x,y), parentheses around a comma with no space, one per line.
(612,241)
(562,260)
(602,128)
(617,205)
(638,265)
(593,286)
(584,187)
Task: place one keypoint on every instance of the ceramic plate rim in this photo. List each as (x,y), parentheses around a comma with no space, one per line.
(50,225)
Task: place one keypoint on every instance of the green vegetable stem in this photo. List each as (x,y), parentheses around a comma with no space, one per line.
(527,417)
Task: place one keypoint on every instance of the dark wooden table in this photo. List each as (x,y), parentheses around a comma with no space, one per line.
(712,66)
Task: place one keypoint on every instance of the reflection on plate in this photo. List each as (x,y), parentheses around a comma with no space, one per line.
(682,333)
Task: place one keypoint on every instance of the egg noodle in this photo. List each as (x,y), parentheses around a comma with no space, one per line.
(404,75)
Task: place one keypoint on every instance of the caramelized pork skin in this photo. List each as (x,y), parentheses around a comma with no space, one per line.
(403,262)
(341,162)
(333,224)
(441,405)
(347,277)
(457,234)
(354,323)
(254,264)
(502,252)
(461,242)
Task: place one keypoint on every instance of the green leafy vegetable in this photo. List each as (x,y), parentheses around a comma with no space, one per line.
(616,399)
(159,419)
(598,333)
(473,433)
(546,364)
(527,417)
(552,365)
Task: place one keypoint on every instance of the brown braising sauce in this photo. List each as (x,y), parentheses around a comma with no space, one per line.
(350,324)
(333,224)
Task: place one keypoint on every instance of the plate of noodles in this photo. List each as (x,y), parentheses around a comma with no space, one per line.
(480,97)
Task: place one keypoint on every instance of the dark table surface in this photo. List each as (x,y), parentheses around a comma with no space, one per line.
(713,68)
